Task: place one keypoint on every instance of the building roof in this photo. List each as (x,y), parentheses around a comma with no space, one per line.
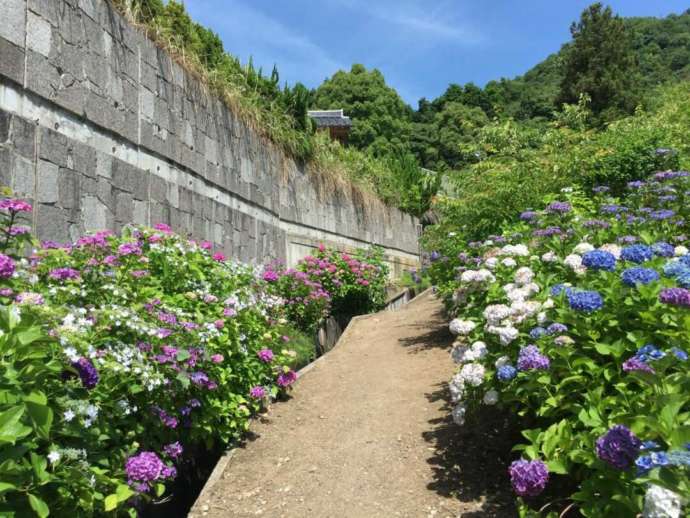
(330,118)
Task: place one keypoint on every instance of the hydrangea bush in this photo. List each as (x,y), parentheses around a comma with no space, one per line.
(330,283)
(576,320)
(117,353)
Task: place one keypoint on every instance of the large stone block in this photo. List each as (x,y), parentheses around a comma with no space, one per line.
(94,214)
(13,21)
(23,177)
(39,34)
(47,191)
(52,223)
(22,136)
(11,60)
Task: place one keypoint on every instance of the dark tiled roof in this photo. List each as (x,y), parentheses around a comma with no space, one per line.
(330,118)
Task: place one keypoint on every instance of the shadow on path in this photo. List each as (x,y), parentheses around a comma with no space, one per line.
(438,337)
(471,462)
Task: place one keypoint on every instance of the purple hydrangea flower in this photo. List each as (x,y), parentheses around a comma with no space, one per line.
(559,207)
(636,364)
(528,215)
(528,477)
(129,249)
(61,274)
(619,447)
(87,372)
(285,379)
(173,450)
(547,232)
(531,358)
(145,468)
(6,266)
(556,328)
(258,392)
(15,206)
(265,355)
(271,276)
(675,296)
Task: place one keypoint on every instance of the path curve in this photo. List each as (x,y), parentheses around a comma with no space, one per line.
(366,433)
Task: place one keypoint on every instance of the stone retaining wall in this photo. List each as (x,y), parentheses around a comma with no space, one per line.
(99,128)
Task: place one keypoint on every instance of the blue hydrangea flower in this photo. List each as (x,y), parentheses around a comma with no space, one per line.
(637,253)
(560,288)
(679,353)
(663,249)
(506,372)
(586,301)
(659,458)
(678,458)
(685,259)
(537,332)
(599,260)
(675,268)
(684,279)
(649,445)
(650,352)
(638,275)
(644,464)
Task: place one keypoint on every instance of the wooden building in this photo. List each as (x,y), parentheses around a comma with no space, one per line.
(334,121)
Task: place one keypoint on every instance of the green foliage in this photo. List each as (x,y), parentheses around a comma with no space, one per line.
(520,164)
(380,118)
(601,64)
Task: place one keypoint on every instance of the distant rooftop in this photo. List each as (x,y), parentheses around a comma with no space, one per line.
(330,118)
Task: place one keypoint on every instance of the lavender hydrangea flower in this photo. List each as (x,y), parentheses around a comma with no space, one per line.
(635,276)
(587,301)
(675,296)
(599,260)
(559,207)
(285,379)
(599,189)
(528,215)
(637,253)
(619,447)
(531,358)
(547,232)
(6,266)
(528,477)
(557,328)
(87,372)
(537,333)
(636,364)
(61,274)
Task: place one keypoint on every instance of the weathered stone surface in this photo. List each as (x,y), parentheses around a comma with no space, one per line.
(47,182)
(13,22)
(11,60)
(126,135)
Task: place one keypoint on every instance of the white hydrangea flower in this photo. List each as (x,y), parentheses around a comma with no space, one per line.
(506,334)
(549,257)
(473,374)
(583,248)
(680,251)
(54,456)
(524,276)
(503,360)
(477,276)
(509,262)
(522,310)
(458,353)
(541,317)
(461,327)
(491,263)
(491,397)
(563,340)
(573,261)
(488,242)
(459,414)
(660,502)
(612,248)
(464,354)
(548,304)
(456,388)
(495,313)
(519,250)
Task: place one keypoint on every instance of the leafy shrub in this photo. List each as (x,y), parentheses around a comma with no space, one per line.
(575,321)
(117,354)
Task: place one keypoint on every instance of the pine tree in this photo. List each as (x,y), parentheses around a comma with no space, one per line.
(600,63)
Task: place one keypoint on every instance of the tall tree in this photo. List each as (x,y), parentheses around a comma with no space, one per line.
(381,121)
(600,62)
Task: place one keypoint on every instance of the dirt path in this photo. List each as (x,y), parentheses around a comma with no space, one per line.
(366,434)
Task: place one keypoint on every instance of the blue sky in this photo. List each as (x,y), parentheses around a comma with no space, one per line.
(420,45)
